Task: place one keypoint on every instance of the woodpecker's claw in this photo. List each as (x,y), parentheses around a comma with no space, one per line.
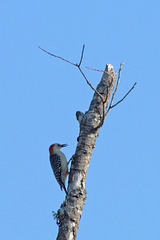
(71,159)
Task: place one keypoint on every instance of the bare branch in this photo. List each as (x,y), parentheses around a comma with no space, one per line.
(90,83)
(119,75)
(95,90)
(124,95)
(81,56)
(104,115)
(76,65)
(53,55)
(94,69)
(113,95)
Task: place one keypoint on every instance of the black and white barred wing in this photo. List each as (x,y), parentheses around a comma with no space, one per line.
(56,166)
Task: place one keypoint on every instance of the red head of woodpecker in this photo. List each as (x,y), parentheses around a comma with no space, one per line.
(59,164)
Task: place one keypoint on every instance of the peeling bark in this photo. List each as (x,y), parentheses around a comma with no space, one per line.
(70,211)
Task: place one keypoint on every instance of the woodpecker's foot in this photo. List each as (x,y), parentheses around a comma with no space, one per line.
(56,216)
(71,159)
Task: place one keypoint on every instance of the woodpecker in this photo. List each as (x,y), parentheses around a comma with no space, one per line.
(59,164)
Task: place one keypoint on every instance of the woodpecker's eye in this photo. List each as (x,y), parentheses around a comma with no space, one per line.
(59,145)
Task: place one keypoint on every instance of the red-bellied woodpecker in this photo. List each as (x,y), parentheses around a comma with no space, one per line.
(59,164)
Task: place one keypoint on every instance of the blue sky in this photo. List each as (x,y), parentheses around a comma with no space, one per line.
(40,95)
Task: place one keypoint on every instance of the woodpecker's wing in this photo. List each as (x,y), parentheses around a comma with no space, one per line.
(56,167)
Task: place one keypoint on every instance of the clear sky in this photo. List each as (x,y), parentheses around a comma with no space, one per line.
(40,95)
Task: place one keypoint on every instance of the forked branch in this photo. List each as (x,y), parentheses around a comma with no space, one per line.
(113,95)
(76,65)
(116,88)
(111,105)
(80,69)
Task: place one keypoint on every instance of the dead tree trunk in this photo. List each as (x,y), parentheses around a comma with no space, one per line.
(69,214)
(70,211)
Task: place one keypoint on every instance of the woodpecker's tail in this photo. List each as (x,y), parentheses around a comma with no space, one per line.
(64,188)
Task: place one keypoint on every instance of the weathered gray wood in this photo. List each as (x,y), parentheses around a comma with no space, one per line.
(70,211)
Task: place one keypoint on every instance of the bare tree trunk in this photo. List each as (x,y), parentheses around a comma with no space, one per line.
(70,211)
(69,214)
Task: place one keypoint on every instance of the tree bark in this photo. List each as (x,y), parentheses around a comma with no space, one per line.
(70,211)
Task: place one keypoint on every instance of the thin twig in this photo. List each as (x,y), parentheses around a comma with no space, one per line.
(98,70)
(94,69)
(124,95)
(81,56)
(90,84)
(119,75)
(53,55)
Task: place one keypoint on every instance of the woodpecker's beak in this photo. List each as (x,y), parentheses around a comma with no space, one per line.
(64,145)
